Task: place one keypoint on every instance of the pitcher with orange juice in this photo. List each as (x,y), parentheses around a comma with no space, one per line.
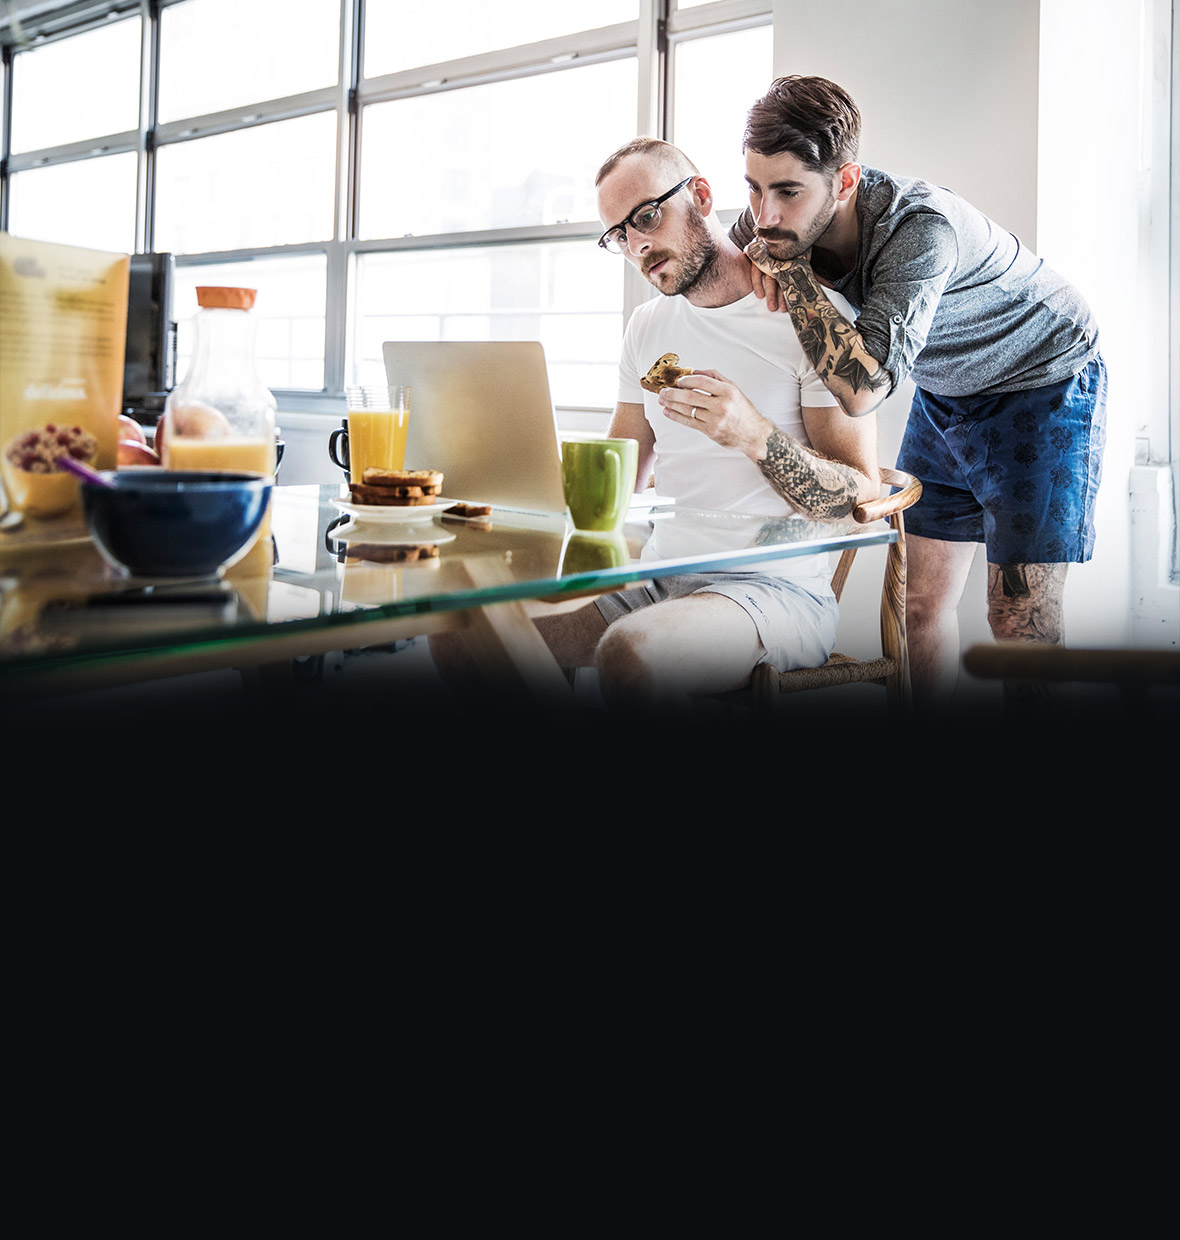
(222,416)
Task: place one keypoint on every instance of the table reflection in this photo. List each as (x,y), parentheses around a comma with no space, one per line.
(322,567)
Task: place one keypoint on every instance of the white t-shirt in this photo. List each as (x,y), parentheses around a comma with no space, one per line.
(757,350)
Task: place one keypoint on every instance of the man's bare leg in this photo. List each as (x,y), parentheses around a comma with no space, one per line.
(936,573)
(663,655)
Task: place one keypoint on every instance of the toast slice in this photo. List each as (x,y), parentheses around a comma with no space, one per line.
(397,487)
(428,479)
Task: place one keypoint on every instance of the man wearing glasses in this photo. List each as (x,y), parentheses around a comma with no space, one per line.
(753,429)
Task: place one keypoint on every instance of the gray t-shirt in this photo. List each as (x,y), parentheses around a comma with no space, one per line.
(947,295)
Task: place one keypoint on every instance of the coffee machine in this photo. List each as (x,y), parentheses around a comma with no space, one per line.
(149,367)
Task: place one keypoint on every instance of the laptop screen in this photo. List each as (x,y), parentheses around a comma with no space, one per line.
(480,411)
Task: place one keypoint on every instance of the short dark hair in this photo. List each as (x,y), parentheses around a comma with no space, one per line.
(671,156)
(808,117)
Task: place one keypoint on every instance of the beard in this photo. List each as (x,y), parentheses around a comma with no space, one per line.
(783,244)
(694,268)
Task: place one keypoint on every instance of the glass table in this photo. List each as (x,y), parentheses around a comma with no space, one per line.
(331,581)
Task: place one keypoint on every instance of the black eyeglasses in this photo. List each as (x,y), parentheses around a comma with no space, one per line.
(644,219)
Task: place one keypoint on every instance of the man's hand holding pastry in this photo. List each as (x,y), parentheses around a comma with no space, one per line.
(708,402)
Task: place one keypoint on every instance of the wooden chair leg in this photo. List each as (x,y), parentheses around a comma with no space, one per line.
(766,684)
(893,627)
(764,690)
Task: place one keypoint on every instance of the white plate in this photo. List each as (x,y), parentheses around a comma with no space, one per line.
(386,514)
(402,536)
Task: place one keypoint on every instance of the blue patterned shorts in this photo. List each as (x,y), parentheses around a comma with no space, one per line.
(1018,471)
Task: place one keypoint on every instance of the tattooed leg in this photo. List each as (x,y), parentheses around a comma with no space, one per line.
(820,488)
(1025,604)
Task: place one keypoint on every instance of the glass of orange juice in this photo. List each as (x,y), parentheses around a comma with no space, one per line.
(378,419)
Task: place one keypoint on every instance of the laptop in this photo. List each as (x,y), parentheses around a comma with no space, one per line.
(480,411)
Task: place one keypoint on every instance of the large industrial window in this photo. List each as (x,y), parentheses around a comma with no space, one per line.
(376,169)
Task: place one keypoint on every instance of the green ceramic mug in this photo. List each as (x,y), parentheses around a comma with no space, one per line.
(599,480)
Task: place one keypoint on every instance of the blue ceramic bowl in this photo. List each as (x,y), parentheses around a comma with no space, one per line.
(175,522)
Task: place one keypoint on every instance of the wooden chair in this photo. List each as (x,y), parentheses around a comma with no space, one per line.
(892,669)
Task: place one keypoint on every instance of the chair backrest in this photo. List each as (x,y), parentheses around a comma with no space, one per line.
(891,669)
(905,492)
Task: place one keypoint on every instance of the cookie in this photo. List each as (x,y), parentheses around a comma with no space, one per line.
(664,373)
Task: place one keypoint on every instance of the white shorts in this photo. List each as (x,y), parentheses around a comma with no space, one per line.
(796,623)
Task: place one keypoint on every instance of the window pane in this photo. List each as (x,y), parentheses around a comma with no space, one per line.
(718,80)
(402,35)
(217,54)
(90,202)
(565,294)
(495,156)
(269,185)
(83,87)
(289,311)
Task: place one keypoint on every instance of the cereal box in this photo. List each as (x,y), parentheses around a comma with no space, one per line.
(63,331)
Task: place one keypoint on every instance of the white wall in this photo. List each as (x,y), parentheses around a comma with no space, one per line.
(1088,217)
(947,89)
(1029,109)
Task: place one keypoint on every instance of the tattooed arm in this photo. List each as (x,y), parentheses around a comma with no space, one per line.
(833,345)
(819,487)
(824,481)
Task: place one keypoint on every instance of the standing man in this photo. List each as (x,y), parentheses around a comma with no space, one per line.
(753,429)
(1007,426)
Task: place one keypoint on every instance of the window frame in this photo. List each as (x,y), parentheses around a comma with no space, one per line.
(651,39)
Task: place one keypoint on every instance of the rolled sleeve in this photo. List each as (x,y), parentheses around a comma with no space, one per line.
(903,286)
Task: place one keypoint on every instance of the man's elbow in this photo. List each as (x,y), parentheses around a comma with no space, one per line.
(861,404)
(867,392)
